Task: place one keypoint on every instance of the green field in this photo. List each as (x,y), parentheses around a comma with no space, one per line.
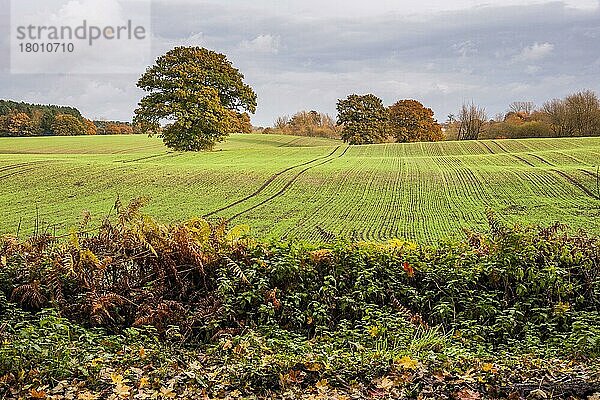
(306,188)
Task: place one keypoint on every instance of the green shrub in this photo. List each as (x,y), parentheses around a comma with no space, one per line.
(195,307)
(495,289)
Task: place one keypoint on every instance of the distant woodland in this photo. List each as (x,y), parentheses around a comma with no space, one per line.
(25,119)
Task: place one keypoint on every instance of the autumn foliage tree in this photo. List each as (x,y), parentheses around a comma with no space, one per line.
(90,127)
(240,122)
(196,90)
(37,117)
(307,123)
(67,125)
(363,119)
(410,121)
(19,124)
(113,128)
(4,125)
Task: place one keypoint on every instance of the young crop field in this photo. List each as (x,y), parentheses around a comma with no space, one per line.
(305,188)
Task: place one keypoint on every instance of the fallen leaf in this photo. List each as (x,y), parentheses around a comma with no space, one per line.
(489,367)
(167,392)
(117,379)
(538,394)
(408,269)
(408,363)
(385,383)
(238,349)
(122,391)
(313,367)
(144,382)
(35,394)
(87,395)
(322,384)
(295,376)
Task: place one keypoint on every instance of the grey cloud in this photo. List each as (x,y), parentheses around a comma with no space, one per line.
(440,58)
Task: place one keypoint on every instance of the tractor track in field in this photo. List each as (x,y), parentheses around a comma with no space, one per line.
(326,159)
(19,172)
(170,154)
(267,183)
(589,173)
(500,146)
(487,147)
(18,167)
(578,184)
(523,160)
(14,166)
(25,164)
(542,160)
(596,177)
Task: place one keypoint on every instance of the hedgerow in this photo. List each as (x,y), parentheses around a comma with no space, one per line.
(262,317)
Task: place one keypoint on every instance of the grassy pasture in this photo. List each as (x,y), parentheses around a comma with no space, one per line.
(295,187)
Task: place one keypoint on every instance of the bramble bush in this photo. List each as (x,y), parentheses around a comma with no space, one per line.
(539,284)
(274,315)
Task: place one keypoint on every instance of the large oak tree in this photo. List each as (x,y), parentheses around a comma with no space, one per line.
(197,92)
(363,119)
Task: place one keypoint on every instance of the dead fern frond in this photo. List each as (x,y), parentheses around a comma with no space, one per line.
(271,297)
(132,210)
(86,218)
(68,264)
(218,232)
(103,309)
(29,296)
(161,316)
(225,332)
(54,283)
(319,256)
(207,307)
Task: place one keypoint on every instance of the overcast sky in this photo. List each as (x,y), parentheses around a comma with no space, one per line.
(306,54)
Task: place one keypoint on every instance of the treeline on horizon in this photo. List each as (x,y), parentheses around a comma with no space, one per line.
(361,119)
(18,119)
(364,119)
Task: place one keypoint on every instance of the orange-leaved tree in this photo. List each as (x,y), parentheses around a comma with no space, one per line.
(19,124)
(410,121)
(90,127)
